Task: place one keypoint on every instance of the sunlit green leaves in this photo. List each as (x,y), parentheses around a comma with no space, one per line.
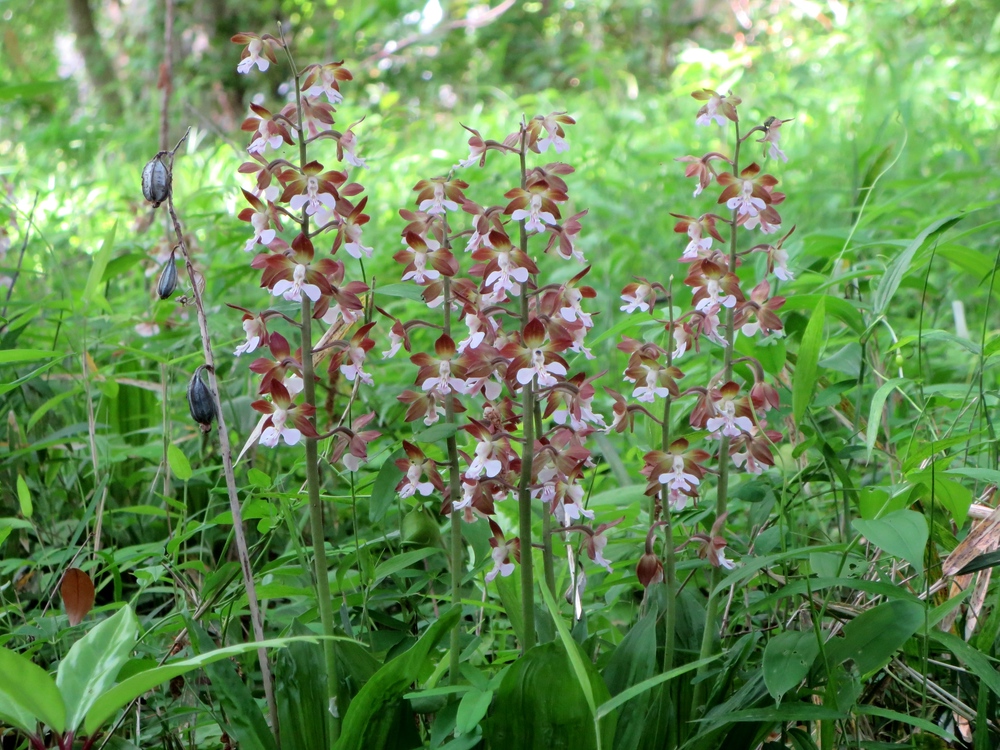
(787,659)
(900,263)
(871,638)
(28,694)
(24,497)
(92,664)
(804,380)
(902,533)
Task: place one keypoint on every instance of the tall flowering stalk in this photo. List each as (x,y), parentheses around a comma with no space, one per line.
(498,371)
(730,411)
(310,203)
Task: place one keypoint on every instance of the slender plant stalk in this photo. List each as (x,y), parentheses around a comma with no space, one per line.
(92,439)
(168,490)
(669,555)
(239,535)
(20,260)
(316,525)
(524,520)
(528,433)
(548,557)
(455,484)
(722,489)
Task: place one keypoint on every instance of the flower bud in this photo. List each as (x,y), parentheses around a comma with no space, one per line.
(200,401)
(649,570)
(168,279)
(156,181)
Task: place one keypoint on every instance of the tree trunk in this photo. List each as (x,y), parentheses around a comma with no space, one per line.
(99,69)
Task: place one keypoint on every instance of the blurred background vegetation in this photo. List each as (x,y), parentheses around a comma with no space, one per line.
(79,100)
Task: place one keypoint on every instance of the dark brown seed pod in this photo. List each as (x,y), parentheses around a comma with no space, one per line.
(200,400)
(156,181)
(168,279)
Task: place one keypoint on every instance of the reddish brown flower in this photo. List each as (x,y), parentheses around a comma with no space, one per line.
(547,130)
(748,194)
(757,313)
(268,132)
(445,372)
(294,272)
(281,414)
(352,444)
(325,79)
(717,108)
(440,194)
(534,359)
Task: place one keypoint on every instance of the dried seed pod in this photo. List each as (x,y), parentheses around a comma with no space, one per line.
(156,181)
(168,279)
(200,400)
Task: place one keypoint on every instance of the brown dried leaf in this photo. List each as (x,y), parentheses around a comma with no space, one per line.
(78,594)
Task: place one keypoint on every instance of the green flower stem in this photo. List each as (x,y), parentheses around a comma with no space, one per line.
(528,433)
(316,526)
(669,556)
(455,484)
(548,557)
(524,519)
(722,489)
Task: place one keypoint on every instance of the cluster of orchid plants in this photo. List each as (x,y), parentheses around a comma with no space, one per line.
(517,331)
(518,419)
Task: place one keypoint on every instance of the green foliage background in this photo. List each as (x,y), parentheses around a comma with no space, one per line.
(894,111)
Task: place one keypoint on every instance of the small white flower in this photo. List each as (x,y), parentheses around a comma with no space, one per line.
(535,218)
(500,564)
(255,47)
(292,290)
(439,203)
(277,429)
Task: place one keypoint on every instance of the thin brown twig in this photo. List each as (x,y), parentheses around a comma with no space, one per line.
(166,78)
(227,466)
(20,257)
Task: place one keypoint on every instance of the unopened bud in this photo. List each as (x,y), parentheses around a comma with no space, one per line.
(200,401)
(156,181)
(649,570)
(168,279)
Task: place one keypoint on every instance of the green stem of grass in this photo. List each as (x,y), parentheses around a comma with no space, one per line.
(316,526)
(524,520)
